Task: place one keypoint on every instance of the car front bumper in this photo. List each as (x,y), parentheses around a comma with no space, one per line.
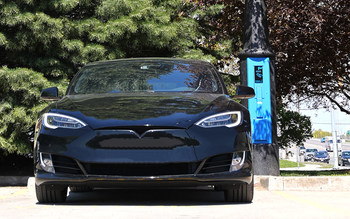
(169,157)
(346,161)
(217,179)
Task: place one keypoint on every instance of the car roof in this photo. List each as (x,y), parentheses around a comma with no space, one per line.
(188,61)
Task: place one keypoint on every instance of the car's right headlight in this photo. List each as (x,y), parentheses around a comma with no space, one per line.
(55,120)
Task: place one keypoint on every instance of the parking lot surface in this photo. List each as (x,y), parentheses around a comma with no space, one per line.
(20,202)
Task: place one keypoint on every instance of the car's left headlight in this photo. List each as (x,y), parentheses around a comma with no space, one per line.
(54,120)
(228,119)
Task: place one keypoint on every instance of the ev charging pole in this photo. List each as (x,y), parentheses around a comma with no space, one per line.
(257,71)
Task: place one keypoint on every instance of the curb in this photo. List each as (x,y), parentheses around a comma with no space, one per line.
(308,183)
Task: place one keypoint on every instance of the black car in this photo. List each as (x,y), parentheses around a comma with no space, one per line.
(144,122)
(321,156)
(345,158)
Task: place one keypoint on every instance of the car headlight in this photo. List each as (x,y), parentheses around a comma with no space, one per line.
(54,120)
(228,119)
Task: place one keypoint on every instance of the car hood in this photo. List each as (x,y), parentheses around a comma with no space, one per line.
(321,156)
(144,109)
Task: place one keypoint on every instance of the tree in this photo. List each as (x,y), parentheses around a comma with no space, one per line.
(312,44)
(292,128)
(58,37)
(19,106)
(311,40)
(321,134)
(45,42)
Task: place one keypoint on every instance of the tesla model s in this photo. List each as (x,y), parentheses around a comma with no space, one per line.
(144,122)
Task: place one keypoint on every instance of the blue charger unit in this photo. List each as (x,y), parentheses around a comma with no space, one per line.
(258,73)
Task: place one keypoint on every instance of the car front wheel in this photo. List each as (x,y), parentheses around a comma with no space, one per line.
(241,193)
(50,194)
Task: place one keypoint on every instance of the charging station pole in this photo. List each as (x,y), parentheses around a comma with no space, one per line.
(257,71)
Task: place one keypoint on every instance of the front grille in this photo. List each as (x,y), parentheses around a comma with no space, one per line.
(65,165)
(140,169)
(116,142)
(216,164)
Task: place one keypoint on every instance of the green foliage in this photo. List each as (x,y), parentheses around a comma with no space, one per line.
(292,127)
(58,37)
(19,94)
(44,43)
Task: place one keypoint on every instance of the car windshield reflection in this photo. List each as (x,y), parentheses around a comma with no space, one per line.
(145,76)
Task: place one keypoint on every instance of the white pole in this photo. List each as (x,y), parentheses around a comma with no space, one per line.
(297,153)
(335,144)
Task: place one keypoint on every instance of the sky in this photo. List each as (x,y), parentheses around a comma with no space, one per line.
(321,119)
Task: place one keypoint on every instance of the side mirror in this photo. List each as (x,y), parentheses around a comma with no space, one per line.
(244,92)
(50,94)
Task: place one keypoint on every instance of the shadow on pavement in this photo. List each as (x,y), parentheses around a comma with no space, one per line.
(148,197)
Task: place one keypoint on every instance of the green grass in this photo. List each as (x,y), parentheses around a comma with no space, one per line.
(288,164)
(316,173)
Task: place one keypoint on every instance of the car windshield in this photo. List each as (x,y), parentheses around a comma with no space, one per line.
(311,150)
(146,76)
(331,141)
(321,153)
(346,153)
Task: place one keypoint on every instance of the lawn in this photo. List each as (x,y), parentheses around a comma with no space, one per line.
(288,164)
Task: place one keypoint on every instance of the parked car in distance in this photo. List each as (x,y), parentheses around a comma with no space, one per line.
(144,122)
(345,158)
(310,153)
(321,156)
(323,140)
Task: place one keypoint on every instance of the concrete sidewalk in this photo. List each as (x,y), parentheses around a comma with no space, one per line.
(307,167)
(302,183)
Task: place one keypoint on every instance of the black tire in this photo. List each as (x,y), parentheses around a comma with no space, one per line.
(241,193)
(49,194)
(80,188)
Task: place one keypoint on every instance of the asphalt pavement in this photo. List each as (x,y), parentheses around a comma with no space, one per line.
(20,202)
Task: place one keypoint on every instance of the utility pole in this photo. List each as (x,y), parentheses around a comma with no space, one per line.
(257,71)
(335,140)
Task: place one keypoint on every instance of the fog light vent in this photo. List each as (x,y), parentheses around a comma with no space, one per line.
(46,163)
(238,159)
